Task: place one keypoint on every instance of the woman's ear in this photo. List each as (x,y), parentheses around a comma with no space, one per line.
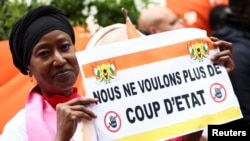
(28,70)
(30,74)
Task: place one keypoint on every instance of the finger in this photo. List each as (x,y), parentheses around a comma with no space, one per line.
(76,104)
(222,59)
(83,109)
(75,112)
(221,54)
(86,100)
(82,115)
(223,45)
(82,101)
(213,38)
(227,61)
(226,54)
(79,115)
(230,69)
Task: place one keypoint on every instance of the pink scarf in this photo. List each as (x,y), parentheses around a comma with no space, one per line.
(40,117)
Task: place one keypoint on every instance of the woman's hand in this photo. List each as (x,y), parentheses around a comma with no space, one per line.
(69,113)
(225,54)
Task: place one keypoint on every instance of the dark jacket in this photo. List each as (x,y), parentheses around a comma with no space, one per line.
(239,35)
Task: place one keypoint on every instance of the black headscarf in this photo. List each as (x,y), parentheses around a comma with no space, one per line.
(30,28)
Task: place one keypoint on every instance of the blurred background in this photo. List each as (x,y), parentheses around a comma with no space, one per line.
(89,14)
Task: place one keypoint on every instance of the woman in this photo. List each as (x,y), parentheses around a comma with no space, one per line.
(42,45)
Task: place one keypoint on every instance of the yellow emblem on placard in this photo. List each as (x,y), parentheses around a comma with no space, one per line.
(105,72)
(198,51)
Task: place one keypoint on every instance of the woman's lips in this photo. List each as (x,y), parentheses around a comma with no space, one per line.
(62,73)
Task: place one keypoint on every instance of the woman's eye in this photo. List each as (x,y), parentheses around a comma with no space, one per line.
(43,54)
(65,47)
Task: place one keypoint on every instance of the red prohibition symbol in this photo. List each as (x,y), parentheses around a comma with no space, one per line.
(218,92)
(112,121)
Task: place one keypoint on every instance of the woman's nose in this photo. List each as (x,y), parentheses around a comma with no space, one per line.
(59,59)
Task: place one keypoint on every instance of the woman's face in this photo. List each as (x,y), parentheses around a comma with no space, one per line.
(53,63)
